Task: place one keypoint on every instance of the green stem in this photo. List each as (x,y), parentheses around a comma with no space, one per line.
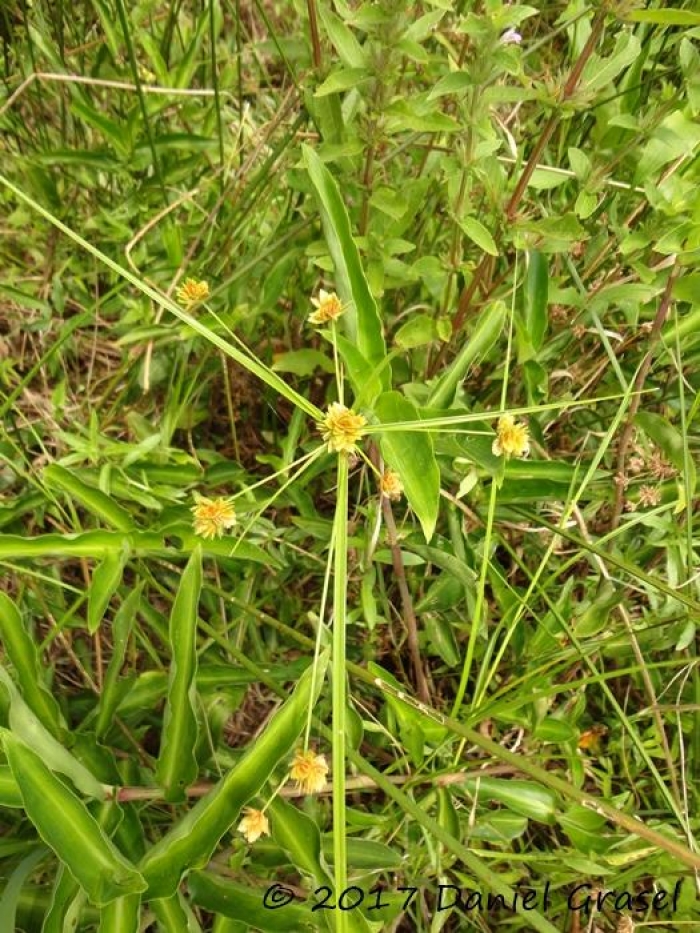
(338,678)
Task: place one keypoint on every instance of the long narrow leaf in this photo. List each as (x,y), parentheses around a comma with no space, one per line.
(362,320)
(177,765)
(67,826)
(191,841)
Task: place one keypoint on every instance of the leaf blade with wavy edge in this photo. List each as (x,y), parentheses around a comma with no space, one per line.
(411,454)
(177,765)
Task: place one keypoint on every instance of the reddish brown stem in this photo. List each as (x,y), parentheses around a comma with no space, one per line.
(626,436)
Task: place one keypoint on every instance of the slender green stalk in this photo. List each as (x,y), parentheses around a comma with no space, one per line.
(338,679)
(486,556)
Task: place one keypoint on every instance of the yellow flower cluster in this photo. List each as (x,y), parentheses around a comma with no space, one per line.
(192,292)
(213,516)
(328,308)
(309,770)
(390,485)
(512,439)
(341,428)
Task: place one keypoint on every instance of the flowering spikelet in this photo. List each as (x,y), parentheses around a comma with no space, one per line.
(309,770)
(191,292)
(328,308)
(341,428)
(649,496)
(254,824)
(213,516)
(391,485)
(511,439)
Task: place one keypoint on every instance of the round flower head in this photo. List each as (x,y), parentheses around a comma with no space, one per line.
(328,308)
(254,825)
(309,770)
(390,485)
(511,439)
(213,516)
(341,428)
(191,292)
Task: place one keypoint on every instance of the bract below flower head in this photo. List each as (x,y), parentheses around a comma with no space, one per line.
(512,439)
(212,517)
(341,429)
(192,291)
(254,825)
(309,770)
(328,308)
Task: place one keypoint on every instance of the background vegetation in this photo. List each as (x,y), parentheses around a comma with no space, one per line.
(519,635)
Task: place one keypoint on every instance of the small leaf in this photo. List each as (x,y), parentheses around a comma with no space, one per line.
(452,84)
(485,335)
(536,295)
(105,580)
(478,233)
(411,454)
(177,766)
(342,80)
(302,362)
(361,320)
(416,332)
(525,797)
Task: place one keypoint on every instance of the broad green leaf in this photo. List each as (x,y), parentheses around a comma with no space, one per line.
(342,80)
(527,798)
(536,294)
(452,84)
(411,454)
(20,648)
(343,38)
(9,791)
(600,72)
(75,837)
(174,915)
(478,234)
(364,377)
(56,756)
(365,854)
(299,836)
(121,628)
(361,318)
(190,841)
(183,73)
(222,896)
(177,765)
(585,829)
(416,332)
(302,362)
(122,915)
(105,580)
(485,335)
(665,17)
(94,500)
